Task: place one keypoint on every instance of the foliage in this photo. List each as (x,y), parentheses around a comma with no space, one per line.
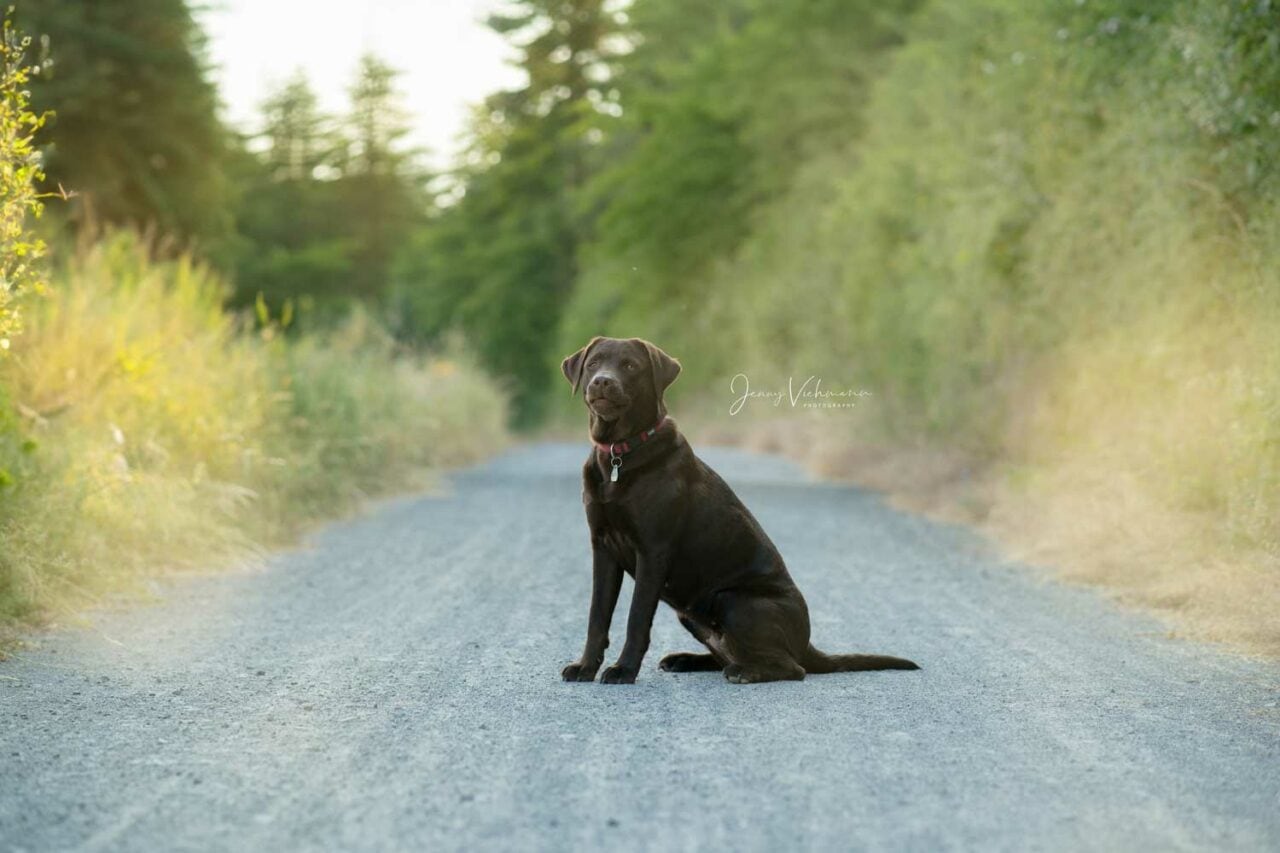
(154,431)
(726,107)
(723,101)
(501,261)
(141,425)
(308,211)
(384,188)
(1049,241)
(1043,234)
(135,132)
(329,199)
(20,250)
(990,200)
(578,215)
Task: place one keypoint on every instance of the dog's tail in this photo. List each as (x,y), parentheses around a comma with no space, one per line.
(817,662)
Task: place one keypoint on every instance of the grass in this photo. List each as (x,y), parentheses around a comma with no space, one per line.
(146,430)
(1086,521)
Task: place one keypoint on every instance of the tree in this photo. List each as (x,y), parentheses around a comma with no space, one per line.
(135,132)
(725,98)
(329,199)
(501,262)
(294,243)
(297,135)
(384,187)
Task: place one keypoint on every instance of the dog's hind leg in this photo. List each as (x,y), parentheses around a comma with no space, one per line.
(761,637)
(689,661)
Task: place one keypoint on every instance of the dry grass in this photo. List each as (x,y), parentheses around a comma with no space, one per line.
(144,430)
(1087,518)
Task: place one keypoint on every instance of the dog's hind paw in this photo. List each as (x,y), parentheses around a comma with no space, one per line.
(688,662)
(735,674)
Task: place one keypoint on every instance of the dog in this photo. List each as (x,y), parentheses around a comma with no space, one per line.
(659,513)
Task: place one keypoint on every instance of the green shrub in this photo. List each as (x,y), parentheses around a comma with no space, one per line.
(19,173)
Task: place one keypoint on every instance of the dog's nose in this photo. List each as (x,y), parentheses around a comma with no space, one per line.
(602,381)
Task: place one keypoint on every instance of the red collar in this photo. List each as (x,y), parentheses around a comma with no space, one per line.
(616,449)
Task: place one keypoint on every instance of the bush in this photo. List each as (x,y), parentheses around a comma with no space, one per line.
(19,173)
(149,429)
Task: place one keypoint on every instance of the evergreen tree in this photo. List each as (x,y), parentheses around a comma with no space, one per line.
(330,199)
(384,187)
(501,262)
(296,133)
(135,131)
(294,239)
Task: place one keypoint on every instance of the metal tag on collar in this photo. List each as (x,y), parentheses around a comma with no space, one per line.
(616,461)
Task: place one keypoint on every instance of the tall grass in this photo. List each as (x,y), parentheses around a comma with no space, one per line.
(146,429)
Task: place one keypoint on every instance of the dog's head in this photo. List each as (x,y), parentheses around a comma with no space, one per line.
(622,380)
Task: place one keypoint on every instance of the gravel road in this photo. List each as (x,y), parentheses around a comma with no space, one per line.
(394,685)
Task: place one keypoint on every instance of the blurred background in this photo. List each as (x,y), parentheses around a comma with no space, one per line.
(291,253)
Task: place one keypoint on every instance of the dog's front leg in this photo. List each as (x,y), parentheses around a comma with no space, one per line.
(651,575)
(606,580)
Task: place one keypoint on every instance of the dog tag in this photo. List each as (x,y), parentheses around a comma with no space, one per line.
(613,475)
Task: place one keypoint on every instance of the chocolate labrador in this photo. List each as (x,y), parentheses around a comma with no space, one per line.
(658,513)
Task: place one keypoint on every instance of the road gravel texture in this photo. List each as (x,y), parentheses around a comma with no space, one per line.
(394,685)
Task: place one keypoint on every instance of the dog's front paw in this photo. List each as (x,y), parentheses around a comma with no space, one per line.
(618,674)
(579,671)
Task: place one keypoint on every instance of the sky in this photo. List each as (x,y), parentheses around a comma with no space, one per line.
(449,58)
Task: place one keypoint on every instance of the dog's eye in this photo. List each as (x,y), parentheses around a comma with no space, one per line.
(628,365)
(591,365)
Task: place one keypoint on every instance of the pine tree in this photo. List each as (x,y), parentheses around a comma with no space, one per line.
(135,131)
(298,141)
(501,262)
(332,197)
(384,185)
(294,243)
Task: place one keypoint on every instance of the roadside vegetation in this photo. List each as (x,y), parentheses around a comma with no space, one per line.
(146,427)
(1053,255)
(1044,236)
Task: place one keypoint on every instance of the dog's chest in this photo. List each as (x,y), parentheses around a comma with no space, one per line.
(610,492)
(612,526)
(617,526)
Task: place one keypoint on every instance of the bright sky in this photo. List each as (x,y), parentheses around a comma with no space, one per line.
(449,58)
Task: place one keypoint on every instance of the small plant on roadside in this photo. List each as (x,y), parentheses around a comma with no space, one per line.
(19,174)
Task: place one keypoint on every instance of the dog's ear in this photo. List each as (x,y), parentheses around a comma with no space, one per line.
(665,368)
(573,365)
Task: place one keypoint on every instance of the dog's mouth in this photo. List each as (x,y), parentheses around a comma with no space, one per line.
(607,407)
